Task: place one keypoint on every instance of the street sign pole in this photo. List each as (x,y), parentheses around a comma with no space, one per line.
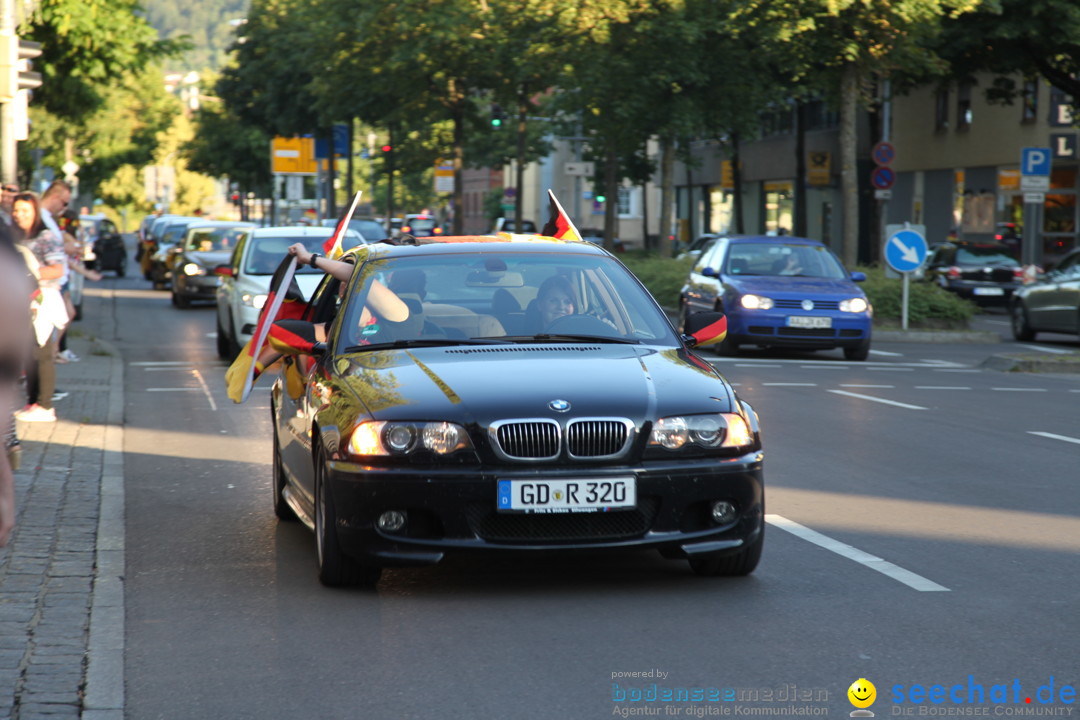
(905,252)
(1035,166)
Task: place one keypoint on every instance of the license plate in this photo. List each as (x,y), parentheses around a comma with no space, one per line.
(989,291)
(802,321)
(566,496)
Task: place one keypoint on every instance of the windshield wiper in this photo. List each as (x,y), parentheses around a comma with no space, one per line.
(425,342)
(562,337)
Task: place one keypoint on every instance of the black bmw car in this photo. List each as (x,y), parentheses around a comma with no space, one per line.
(536,399)
(204,246)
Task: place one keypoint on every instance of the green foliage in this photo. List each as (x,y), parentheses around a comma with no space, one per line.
(206,23)
(223,145)
(928,304)
(664,277)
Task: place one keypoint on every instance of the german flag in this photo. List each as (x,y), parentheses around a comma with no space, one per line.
(559,225)
(240,376)
(719,328)
(332,248)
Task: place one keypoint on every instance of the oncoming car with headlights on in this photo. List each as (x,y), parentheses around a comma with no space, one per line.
(535,399)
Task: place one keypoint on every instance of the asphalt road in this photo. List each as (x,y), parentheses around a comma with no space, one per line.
(924,529)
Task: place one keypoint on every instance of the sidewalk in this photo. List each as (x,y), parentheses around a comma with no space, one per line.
(61,574)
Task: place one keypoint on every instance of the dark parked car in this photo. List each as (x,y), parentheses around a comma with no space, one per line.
(166,237)
(400,443)
(1051,303)
(987,273)
(108,245)
(780,292)
(205,246)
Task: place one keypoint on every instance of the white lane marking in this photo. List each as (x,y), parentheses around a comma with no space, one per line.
(941,387)
(1052,436)
(1019,389)
(170,389)
(1041,348)
(886,387)
(789,384)
(893,369)
(888,354)
(965,370)
(874,399)
(754,365)
(160,362)
(824,367)
(944,363)
(205,389)
(912,580)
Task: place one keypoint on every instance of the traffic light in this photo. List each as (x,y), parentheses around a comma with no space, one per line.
(235,197)
(601,198)
(16,67)
(497,116)
(387,148)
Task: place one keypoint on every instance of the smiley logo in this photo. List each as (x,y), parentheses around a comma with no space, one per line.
(862,693)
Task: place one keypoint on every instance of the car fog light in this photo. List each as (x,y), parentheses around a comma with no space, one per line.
(723,512)
(392,521)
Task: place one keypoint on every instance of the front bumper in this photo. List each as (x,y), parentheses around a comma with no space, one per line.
(769,328)
(200,287)
(452,510)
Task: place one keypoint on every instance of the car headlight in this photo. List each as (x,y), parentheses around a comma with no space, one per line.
(253,300)
(194,269)
(717,430)
(756,302)
(403,438)
(854,305)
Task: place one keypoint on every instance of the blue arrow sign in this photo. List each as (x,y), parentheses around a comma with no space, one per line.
(905,251)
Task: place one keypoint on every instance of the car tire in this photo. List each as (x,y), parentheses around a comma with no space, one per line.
(282,509)
(223,344)
(121,267)
(336,569)
(859,352)
(235,348)
(734,564)
(1021,327)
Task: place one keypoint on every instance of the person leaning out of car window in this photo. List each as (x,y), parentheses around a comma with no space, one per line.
(383,306)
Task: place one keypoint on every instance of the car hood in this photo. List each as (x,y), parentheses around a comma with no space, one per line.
(208,259)
(467,384)
(795,285)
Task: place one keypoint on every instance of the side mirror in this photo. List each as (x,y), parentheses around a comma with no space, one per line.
(857,276)
(710,272)
(704,328)
(224,270)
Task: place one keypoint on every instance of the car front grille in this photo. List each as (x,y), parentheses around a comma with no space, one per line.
(542,439)
(787,304)
(806,332)
(562,527)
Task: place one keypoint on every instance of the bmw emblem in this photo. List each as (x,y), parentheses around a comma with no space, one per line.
(807,304)
(559,405)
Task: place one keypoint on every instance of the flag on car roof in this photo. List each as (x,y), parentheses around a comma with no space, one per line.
(280,305)
(332,248)
(559,224)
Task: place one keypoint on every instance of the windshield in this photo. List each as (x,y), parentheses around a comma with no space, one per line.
(501,297)
(215,239)
(266,253)
(783,259)
(985,256)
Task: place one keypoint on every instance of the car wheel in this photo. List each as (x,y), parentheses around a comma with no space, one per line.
(281,508)
(858,353)
(1021,328)
(180,301)
(235,348)
(121,268)
(223,344)
(336,569)
(734,564)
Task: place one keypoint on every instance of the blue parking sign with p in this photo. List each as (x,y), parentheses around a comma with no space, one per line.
(1035,161)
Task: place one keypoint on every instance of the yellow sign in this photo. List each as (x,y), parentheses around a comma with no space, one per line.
(292,156)
(1009,180)
(818,167)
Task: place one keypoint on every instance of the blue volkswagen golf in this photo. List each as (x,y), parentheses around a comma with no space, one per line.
(780,292)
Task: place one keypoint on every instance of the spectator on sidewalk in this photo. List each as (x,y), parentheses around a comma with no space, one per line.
(51,315)
(75,249)
(7,197)
(14,347)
